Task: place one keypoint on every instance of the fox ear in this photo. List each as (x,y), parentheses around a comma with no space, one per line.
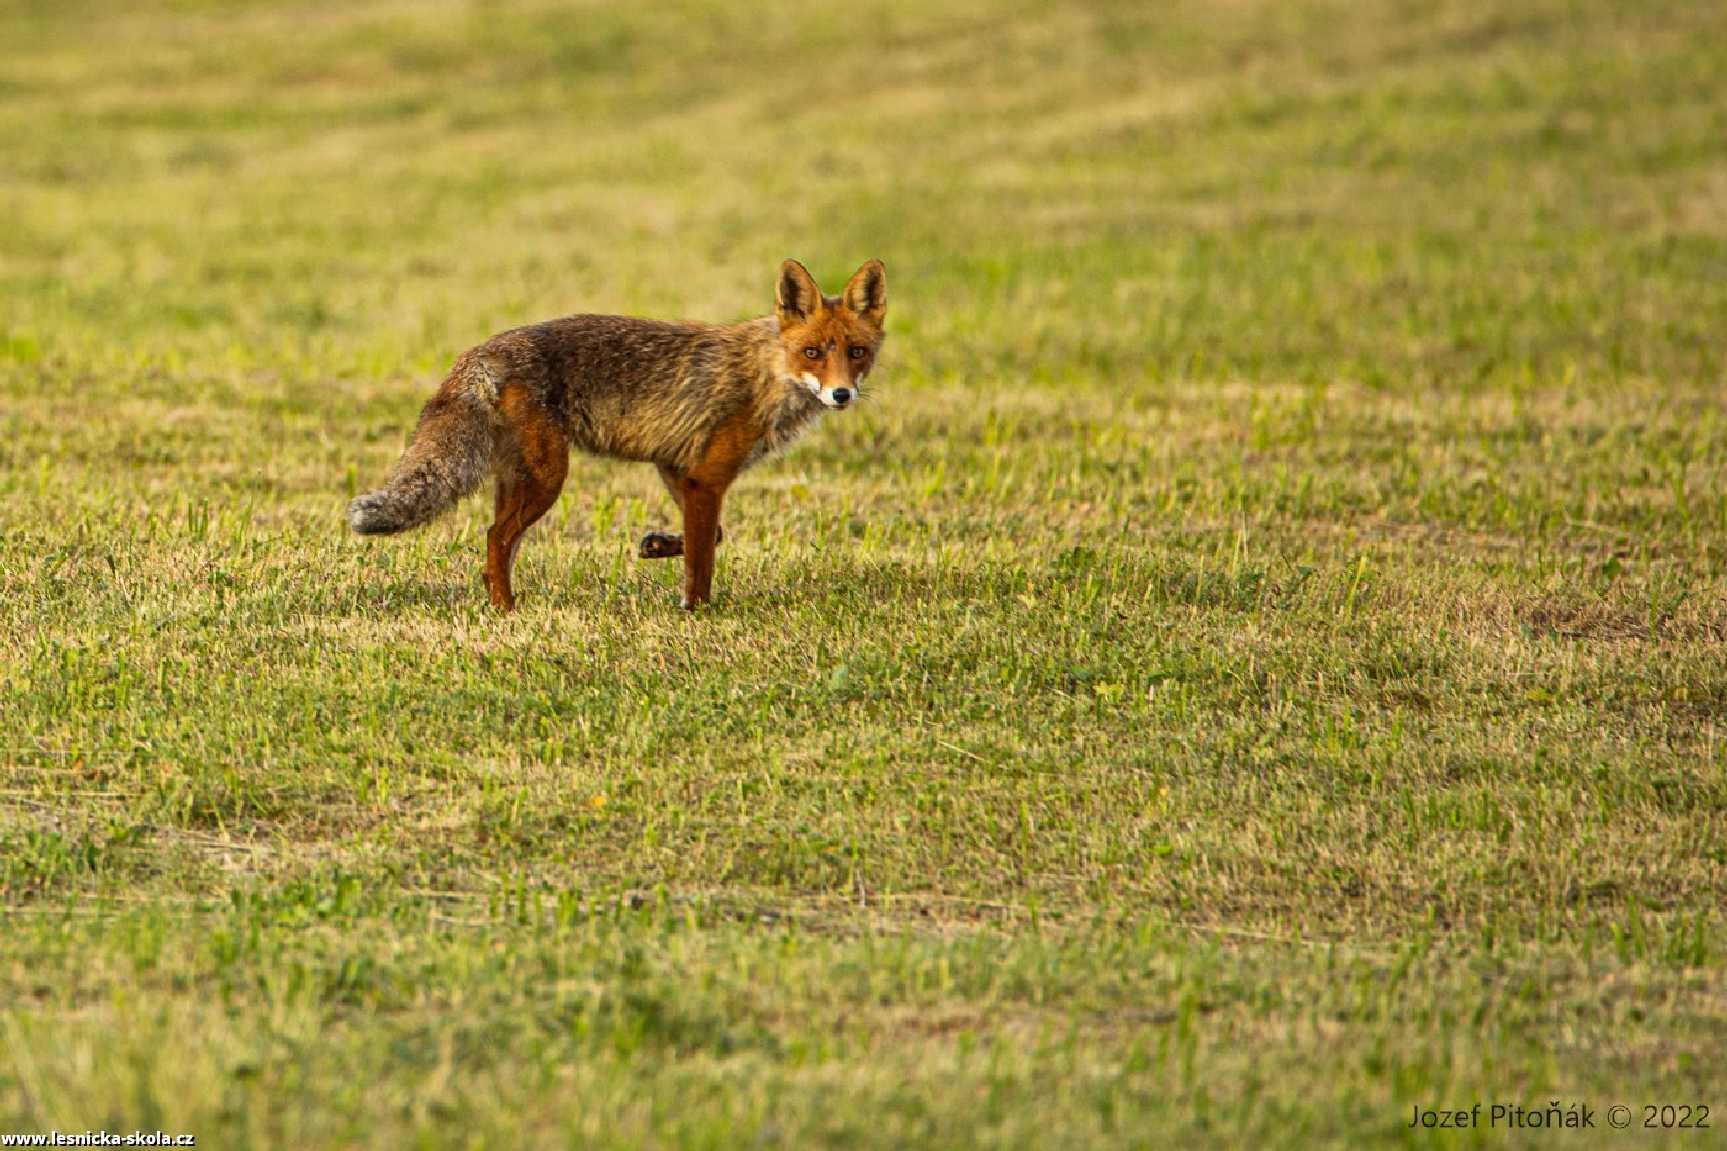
(796,296)
(866,291)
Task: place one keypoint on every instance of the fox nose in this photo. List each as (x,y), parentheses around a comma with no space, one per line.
(842,395)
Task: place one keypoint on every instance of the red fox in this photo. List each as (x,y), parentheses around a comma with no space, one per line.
(701,402)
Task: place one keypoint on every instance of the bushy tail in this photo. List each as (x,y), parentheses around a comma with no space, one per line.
(449,457)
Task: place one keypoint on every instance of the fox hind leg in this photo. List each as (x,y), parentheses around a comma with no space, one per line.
(668,545)
(530,478)
(521,501)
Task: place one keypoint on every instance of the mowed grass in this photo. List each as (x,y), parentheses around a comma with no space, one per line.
(1254,667)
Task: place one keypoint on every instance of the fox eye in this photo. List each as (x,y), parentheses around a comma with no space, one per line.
(812,353)
(858,351)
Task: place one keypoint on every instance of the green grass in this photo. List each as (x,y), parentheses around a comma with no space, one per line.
(1255,667)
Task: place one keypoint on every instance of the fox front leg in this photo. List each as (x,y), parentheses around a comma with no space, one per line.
(701,533)
(660,546)
(670,545)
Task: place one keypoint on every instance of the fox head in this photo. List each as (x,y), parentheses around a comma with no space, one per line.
(829,343)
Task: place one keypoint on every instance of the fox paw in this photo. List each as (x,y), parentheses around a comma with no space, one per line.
(660,546)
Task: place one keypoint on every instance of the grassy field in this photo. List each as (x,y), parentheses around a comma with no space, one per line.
(1255,668)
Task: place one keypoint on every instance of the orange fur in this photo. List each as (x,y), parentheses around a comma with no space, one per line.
(702,402)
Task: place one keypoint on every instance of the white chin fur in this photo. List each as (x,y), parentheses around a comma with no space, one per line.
(825,395)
